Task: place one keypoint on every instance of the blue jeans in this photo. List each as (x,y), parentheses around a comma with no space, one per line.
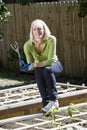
(46,81)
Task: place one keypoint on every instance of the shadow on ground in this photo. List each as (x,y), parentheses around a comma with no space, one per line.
(10,79)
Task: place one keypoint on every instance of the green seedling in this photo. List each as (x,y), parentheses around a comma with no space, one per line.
(52,112)
(72,108)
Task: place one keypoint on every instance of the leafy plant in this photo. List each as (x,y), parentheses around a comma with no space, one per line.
(4,14)
(52,112)
(72,108)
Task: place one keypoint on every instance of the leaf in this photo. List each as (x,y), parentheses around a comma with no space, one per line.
(56,110)
(69,112)
(74,107)
(52,112)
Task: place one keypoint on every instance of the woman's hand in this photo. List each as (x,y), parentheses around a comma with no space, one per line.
(40,64)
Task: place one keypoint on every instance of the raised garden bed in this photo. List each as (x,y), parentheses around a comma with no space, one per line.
(26,99)
(40,122)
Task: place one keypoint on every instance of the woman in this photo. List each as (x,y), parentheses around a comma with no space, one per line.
(40,50)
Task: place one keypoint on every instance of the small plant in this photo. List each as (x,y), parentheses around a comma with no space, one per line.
(52,112)
(72,108)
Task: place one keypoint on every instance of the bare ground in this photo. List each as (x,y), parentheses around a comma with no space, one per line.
(14,79)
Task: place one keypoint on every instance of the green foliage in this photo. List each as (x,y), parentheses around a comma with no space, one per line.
(52,112)
(82,8)
(4,14)
(72,108)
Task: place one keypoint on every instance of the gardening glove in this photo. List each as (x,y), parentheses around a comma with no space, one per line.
(26,67)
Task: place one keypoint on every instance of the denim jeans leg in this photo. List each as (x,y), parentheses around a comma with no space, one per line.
(56,67)
(51,83)
(41,85)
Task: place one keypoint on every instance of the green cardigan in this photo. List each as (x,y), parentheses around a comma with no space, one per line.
(48,54)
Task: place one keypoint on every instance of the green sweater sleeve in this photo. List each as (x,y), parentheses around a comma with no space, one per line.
(27,51)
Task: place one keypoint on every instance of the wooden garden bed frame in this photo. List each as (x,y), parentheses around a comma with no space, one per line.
(11,106)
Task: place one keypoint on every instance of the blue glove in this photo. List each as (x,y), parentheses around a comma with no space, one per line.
(26,67)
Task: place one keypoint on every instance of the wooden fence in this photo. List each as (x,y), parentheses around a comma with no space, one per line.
(64,23)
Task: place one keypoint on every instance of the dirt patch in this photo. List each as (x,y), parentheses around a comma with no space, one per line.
(12,79)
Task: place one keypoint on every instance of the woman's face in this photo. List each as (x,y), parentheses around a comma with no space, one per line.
(38,32)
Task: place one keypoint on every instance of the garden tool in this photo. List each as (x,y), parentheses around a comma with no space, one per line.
(23,66)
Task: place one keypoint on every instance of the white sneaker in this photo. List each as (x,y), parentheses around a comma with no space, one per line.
(50,105)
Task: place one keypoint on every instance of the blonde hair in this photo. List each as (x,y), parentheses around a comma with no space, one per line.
(40,23)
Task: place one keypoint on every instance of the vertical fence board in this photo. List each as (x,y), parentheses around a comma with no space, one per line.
(71,33)
(60,47)
(85,46)
(75,44)
(65,37)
